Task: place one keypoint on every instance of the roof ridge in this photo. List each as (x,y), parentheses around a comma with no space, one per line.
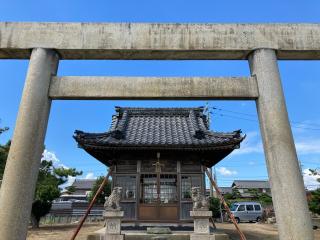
(158,110)
(251,180)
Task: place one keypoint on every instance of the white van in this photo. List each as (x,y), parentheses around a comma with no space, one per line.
(246,211)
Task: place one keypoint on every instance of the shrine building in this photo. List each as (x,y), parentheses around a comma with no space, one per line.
(157,155)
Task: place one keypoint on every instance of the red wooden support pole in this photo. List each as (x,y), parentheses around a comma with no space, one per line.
(242,237)
(105,180)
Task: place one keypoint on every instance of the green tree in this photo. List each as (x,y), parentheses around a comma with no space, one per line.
(47,188)
(314,203)
(70,189)
(105,192)
(4,150)
(2,130)
(214,206)
(254,193)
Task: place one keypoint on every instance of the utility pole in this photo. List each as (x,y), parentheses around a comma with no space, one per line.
(208,112)
(216,180)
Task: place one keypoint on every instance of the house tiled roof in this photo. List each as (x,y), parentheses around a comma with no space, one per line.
(83,184)
(178,129)
(159,127)
(251,184)
(225,190)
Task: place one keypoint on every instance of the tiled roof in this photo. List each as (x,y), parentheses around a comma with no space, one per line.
(169,128)
(251,184)
(83,184)
(225,190)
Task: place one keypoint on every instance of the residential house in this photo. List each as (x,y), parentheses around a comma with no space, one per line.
(245,187)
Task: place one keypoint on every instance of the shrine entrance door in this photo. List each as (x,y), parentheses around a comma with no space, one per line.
(158,197)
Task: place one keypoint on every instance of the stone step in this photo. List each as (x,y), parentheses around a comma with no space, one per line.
(173,236)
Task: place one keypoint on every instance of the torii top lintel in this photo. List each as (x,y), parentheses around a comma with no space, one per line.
(159,41)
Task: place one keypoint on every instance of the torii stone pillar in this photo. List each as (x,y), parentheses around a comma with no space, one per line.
(22,166)
(288,193)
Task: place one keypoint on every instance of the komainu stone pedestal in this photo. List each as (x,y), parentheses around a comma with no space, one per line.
(201,221)
(113,225)
(201,225)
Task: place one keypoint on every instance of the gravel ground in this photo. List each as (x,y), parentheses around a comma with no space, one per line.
(253,231)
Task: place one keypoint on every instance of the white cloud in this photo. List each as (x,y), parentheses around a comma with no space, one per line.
(68,183)
(62,165)
(90,175)
(226,172)
(49,156)
(252,163)
(308,146)
(251,144)
(310,181)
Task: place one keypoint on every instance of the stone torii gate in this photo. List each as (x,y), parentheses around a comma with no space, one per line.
(261,44)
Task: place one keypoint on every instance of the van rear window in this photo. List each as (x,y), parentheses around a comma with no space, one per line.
(257,207)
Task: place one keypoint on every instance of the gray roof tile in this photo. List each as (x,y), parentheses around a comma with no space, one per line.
(159,127)
(251,184)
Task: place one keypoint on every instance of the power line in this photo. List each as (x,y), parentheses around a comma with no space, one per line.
(253,115)
(256,121)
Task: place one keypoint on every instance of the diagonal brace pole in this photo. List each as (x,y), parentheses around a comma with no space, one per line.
(83,219)
(242,236)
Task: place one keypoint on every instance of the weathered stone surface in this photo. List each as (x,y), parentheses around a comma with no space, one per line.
(159,41)
(20,176)
(201,214)
(153,88)
(112,202)
(113,237)
(113,226)
(201,226)
(159,238)
(294,221)
(201,221)
(158,230)
(218,236)
(113,214)
(142,235)
(113,223)
(199,200)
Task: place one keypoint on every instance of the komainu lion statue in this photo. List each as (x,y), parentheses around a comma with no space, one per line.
(113,201)
(200,202)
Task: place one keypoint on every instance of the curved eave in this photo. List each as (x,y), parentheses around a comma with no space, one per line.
(211,153)
(233,145)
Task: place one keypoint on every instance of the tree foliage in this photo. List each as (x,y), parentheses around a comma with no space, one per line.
(47,188)
(214,206)
(105,192)
(314,203)
(4,150)
(2,130)
(235,196)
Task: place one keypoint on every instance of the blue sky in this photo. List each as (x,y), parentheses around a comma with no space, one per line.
(300,78)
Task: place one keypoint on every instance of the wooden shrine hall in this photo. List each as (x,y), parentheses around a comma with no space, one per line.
(157,155)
